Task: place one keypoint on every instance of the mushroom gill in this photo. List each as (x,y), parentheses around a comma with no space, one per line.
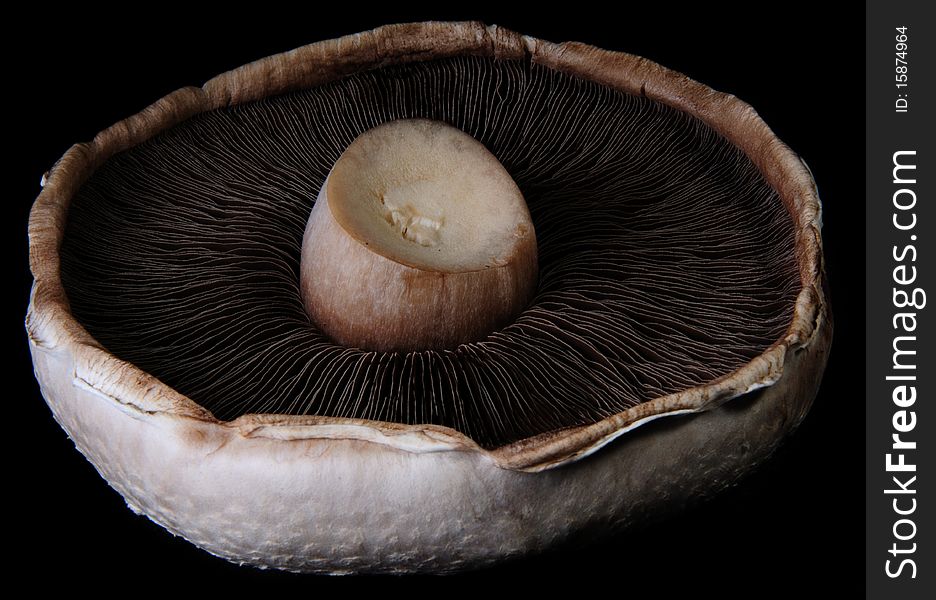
(666,261)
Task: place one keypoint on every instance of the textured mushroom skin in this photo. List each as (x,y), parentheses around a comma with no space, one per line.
(310,494)
(366,506)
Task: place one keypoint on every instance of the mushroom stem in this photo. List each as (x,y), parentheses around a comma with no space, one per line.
(419,240)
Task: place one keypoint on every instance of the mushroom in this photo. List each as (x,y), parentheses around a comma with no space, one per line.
(267,442)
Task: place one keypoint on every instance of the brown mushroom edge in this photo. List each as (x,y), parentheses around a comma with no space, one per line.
(358,480)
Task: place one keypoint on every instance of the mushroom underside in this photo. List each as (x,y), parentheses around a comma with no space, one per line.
(666,260)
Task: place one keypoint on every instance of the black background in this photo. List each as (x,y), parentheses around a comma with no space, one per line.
(794,526)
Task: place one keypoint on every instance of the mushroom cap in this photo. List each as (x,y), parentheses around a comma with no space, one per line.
(234,488)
